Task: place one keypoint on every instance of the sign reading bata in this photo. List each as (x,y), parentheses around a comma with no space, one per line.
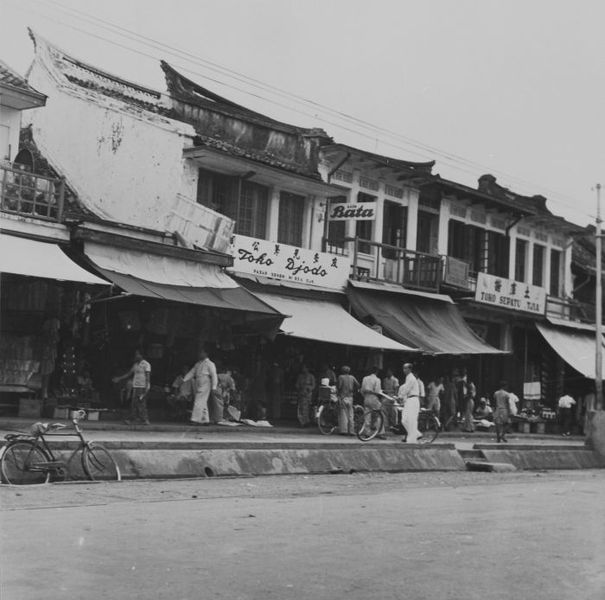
(288,263)
(361,211)
(506,293)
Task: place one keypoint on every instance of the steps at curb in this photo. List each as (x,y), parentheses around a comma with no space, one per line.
(490,467)
(475,455)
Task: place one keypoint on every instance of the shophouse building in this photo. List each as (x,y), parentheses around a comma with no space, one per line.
(42,291)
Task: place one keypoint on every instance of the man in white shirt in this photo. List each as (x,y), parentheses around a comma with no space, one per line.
(205,381)
(140,372)
(409,394)
(566,403)
(371,391)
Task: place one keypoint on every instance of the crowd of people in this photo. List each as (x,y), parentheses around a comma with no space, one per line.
(208,393)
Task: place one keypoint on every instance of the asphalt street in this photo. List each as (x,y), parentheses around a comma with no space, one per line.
(385,536)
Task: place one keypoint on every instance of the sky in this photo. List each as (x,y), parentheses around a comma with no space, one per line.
(515,88)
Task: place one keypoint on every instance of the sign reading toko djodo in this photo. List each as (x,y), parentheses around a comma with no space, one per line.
(288,263)
(506,293)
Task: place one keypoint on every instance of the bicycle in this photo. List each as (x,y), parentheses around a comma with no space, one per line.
(28,459)
(326,415)
(429,425)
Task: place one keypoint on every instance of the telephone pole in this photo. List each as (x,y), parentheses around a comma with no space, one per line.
(598,310)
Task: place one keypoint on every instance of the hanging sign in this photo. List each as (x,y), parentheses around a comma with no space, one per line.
(356,211)
(513,295)
(289,263)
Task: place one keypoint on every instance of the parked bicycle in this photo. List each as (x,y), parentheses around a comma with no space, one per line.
(429,425)
(326,415)
(28,458)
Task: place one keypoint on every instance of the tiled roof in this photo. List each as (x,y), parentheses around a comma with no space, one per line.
(11,78)
(263,157)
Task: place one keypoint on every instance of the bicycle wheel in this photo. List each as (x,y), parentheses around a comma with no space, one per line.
(358,414)
(429,426)
(327,419)
(99,465)
(371,425)
(20,464)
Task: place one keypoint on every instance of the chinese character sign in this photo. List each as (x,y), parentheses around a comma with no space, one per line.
(513,295)
(289,263)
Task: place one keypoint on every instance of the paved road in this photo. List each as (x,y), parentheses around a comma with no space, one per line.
(385,536)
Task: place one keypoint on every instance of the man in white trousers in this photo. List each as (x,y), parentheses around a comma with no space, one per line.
(205,381)
(409,394)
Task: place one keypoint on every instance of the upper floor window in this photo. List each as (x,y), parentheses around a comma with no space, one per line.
(394,228)
(251,217)
(363,229)
(243,201)
(538,266)
(468,243)
(520,260)
(556,265)
(337,230)
(427,232)
(291,218)
(498,249)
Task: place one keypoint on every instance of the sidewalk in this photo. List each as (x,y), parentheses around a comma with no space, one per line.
(178,435)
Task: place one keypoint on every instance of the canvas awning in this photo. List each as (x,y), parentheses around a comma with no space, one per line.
(327,321)
(22,256)
(576,347)
(175,280)
(432,325)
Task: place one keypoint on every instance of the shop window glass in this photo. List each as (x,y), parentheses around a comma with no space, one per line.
(538,267)
(291,217)
(520,260)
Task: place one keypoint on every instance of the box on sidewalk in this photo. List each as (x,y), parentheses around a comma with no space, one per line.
(61,412)
(30,407)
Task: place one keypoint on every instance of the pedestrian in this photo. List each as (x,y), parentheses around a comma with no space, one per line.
(501,411)
(205,382)
(327,372)
(469,404)
(449,404)
(434,391)
(372,392)
(421,389)
(346,387)
(140,375)
(409,394)
(226,388)
(390,386)
(566,402)
(305,386)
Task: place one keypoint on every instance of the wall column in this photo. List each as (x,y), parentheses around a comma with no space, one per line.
(273,215)
(412,228)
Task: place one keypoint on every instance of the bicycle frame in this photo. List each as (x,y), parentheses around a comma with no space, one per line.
(41,441)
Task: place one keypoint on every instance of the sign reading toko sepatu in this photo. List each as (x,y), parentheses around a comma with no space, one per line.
(288,263)
(360,211)
(506,293)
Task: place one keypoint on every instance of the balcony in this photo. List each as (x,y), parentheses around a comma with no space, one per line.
(27,194)
(373,261)
(570,310)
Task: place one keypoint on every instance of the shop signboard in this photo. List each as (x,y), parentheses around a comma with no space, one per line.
(456,273)
(510,294)
(289,263)
(355,211)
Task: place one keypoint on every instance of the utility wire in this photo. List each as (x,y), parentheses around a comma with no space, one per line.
(460,163)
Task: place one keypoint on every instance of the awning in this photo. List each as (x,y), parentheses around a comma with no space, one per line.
(434,326)
(167,278)
(22,256)
(575,346)
(327,321)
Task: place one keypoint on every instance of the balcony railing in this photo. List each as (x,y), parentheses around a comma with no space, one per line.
(28,194)
(570,310)
(373,261)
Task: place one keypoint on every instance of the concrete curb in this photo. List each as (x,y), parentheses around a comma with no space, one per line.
(538,458)
(212,462)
